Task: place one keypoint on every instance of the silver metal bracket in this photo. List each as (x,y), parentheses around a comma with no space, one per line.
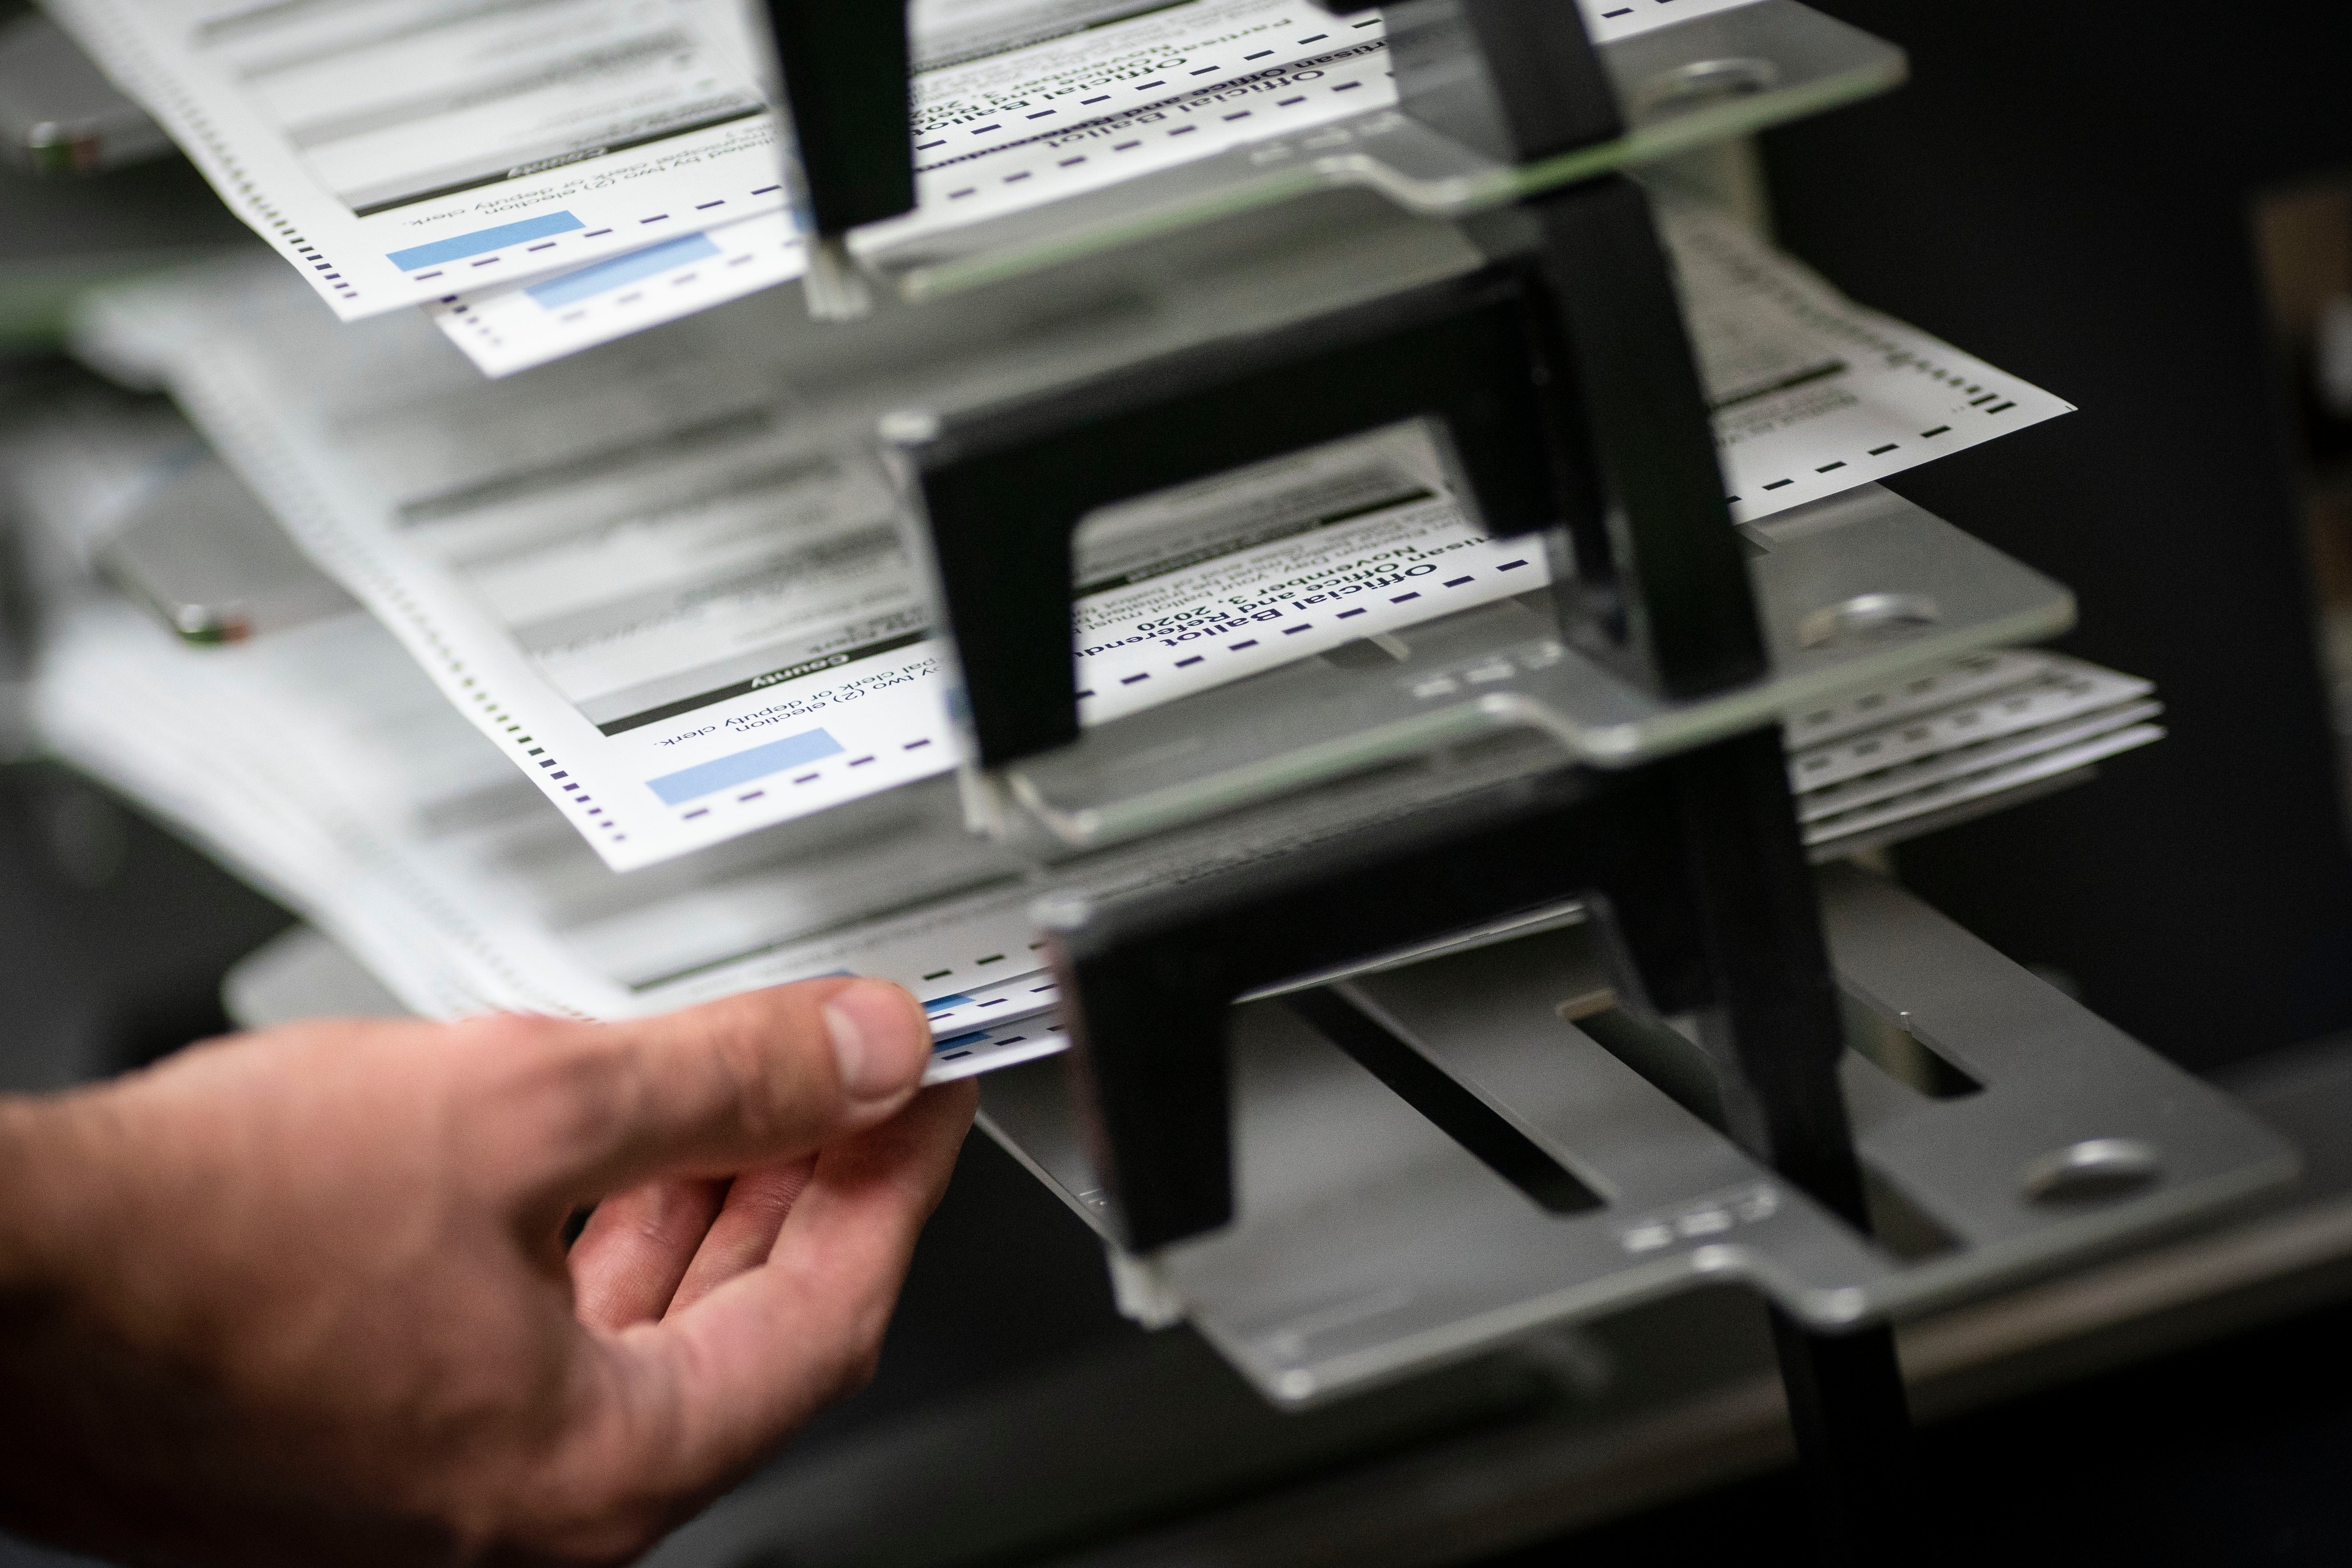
(2007,1131)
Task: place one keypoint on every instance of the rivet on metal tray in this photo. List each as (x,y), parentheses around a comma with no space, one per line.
(1866,618)
(1701,82)
(2093,1171)
(1377,651)
(908,426)
(1648,1237)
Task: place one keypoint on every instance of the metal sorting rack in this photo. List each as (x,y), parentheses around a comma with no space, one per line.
(1344,1177)
(2005,1131)
(1525,1090)
(1420,1000)
(1682,87)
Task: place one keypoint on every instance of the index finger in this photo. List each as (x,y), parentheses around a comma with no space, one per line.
(687,1404)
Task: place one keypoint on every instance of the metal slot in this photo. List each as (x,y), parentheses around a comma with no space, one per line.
(1678,1069)
(1672,1065)
(1889,1045)
(1454,1110)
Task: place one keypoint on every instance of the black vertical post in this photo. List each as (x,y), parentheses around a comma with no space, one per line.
(1678,606)
(1669,592)
(1671,578)
(845,66)
(1776,1040)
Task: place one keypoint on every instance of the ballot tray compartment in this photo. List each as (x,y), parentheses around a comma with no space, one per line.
(2006,1131)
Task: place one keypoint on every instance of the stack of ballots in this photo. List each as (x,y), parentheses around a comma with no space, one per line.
(613,686)
(544,177)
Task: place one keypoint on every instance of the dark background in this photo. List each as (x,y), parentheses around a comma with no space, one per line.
(2067,191)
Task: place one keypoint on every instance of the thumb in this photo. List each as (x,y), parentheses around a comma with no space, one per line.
(745,1080)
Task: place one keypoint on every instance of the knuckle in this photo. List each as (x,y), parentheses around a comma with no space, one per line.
(859,1356)
(747,1070)
(756,1065)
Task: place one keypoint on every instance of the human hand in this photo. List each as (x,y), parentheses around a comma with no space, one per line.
(301,1296)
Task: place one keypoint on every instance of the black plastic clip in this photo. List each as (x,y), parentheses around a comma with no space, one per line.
(1005,491)
(1691,865)
(845,69)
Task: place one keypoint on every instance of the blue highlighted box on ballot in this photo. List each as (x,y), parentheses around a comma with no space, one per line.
(742,767)
(457,247)
(603,277)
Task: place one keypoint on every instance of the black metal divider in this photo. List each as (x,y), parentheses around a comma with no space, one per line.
(1005,491)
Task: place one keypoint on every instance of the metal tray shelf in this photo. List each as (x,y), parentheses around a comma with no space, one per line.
(1855,589)
(1681,87)
(1370,1245)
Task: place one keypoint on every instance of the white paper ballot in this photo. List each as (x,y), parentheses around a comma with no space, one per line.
(946,32)
(1080,112)
(2027,762)
(684,612)
(514,327)
(982,151)
(672,588)
(392,151)
(396,152)
(1169,87)
(1253,570)
(320,763)
(1006,133)
(1812,393)
(2063,693)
